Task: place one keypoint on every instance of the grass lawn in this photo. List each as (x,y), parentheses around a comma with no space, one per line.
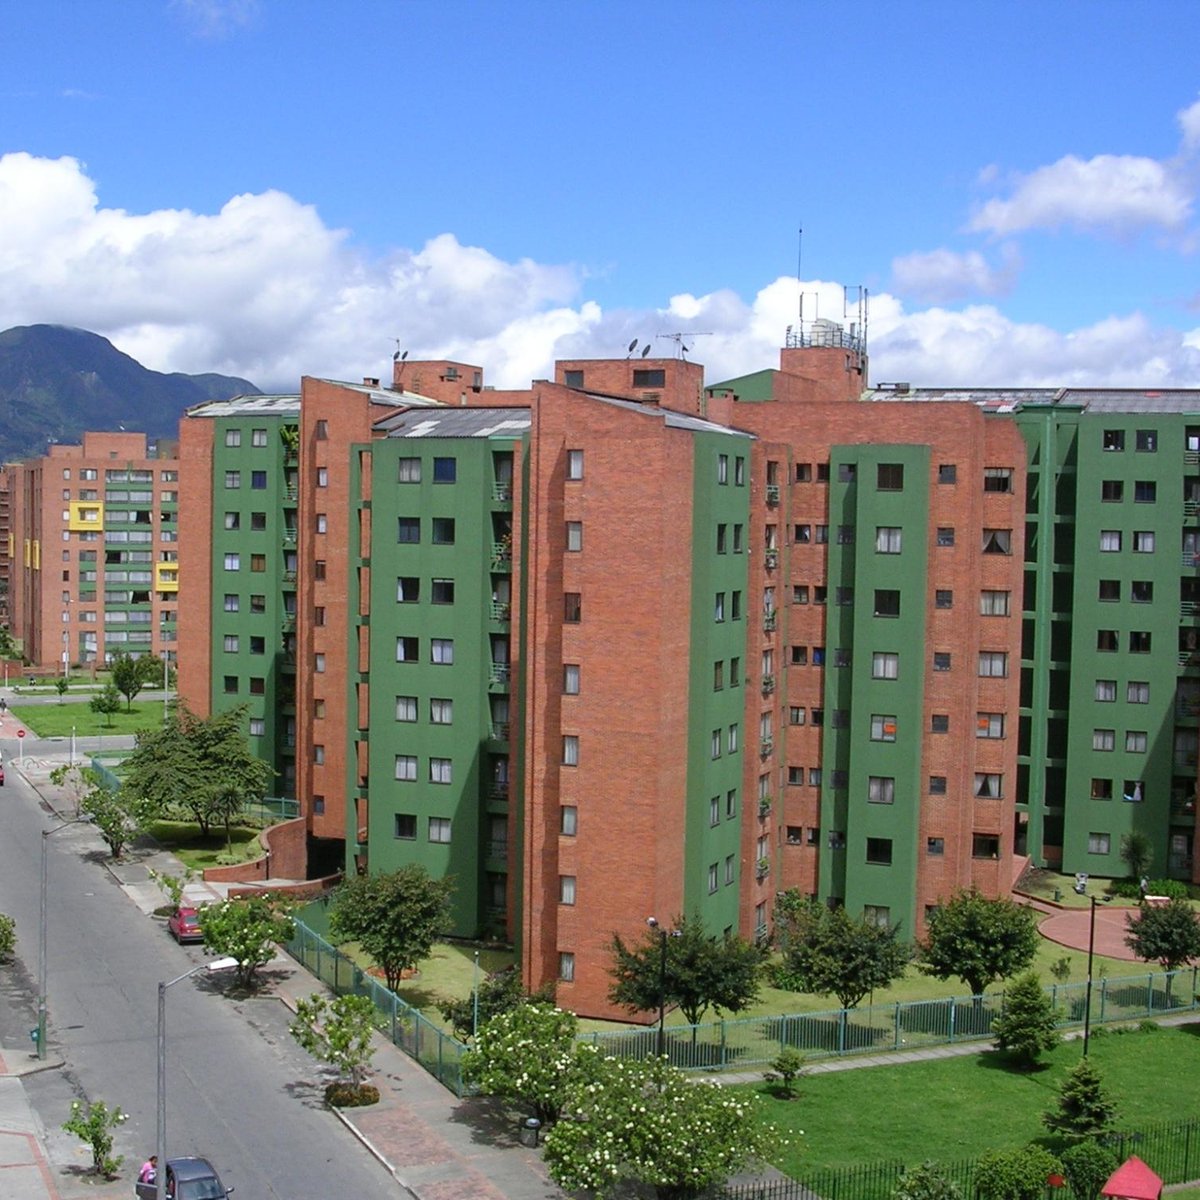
(183,840)
(957,1108)
(57,720)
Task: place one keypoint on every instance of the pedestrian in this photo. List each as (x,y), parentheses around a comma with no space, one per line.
(149,1171)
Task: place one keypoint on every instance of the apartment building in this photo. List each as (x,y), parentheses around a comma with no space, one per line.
(93,559)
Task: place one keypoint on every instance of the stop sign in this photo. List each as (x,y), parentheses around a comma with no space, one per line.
(20,733)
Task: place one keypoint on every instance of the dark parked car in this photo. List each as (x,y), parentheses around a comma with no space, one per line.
(187,1179)
(184,924)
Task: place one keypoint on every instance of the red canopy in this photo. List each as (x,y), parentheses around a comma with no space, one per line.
(1133,1180)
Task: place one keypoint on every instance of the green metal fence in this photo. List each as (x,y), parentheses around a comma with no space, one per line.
(419,1038)
(750,1043)
(1171,1149)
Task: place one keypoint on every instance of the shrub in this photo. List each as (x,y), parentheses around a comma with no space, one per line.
(926,1182)
(94,1123)
(1130,889)
(348,1095)
(1087,1166)
(1014,1174)
(8,937)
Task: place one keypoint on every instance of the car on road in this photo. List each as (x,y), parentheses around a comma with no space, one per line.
(187,1179)
(184,924)
(1,776)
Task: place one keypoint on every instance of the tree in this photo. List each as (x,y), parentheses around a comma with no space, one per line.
(1168,934)
(339,1032)
(150,671)
(702,972)
(497,993)
(395,918)
(786,1069)
(1137,853)
(106,702)
(62,685)
(245,929)
(526,1054)
(1015,1174)
(1085,1108)
(76,780)
(926,1182)
(826,950)
(127,678)
(1087,1166)
(164,767)
(118,816)
(8,937)
(94,1123)
(1028,1026)
(978,940)
(649,1123)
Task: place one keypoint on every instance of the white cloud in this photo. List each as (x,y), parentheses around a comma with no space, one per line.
(264,289)
(1189,123)
(1113,193)
(217,18)
(941,276)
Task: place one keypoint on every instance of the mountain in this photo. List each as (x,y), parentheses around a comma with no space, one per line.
(57,382)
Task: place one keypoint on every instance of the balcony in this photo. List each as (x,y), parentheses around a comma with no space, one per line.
(498,676)
(289,623)
(766,746)
(502,556)
(768,684)
(502,492)
(498,849)
(499,731)
(289,537)
(762,868)
(769,621)
(501,611)
(773,495)
(498,790)
(1191,508)
(764,809)
(772,559)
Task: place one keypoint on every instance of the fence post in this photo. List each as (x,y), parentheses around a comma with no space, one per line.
(953,1015)
(723,1062)
(896,1027)
(1103,996)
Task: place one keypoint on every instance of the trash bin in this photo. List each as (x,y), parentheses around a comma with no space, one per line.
(1057,895)
(528,1131)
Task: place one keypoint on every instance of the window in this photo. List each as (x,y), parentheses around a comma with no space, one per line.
(994,604)
(1113,439)
(945,535)
(823,472)
(572,607)
(406,768)
(1146,440)
(795,715)
(233,437)
(1107,640)
(737,539)
(1139,641)
(947,473)
(814,776)
(714,810)
(985,845)
(1106,690)
(1135,741)
(804,472)
(800,593)
(441,651)
(319,614)
(722,468)
(1112,491)
(997,541)
(445,470)
(1132,792)
(440,770)
(887,539)
(802,534)
(573,379)
(566,889)
(735,671)
(574,464)
(997,479)
(739,471)
(989,725)
(442,531)
(406,708)
(322,477)
(406,649)
(408,470)
(574,535)
(441,711)
(319,568)
(319,755)
(881,789)
(935,845)
(1141,591)
(439,829)
(258,480)
(258,563)
(258,437)
(719,607)
(570,679)
(735,606)
(1143,541)
(1145,491)
(232,602)
(943,598)
(887,602)
(879,851)
(649,378)
(318,664)
(442,591)
(712,877)
(890,477)
(231,643)
(568,820)
(233,562)
(939,723)
(1137,692)
(258,521)
(885,665)
(258,727)
(937,785)
(1109,589)
(941,660)
(799,656)
(408,530)
(732,740)
(845,535)
(405,826)
(822,534)
(722,537)
(570,750)
(1098,843)
(715,744)
(258,645)
(1104,739)
(233,520)
(883,728)
(993,664)
(731,803)
(843,595)
(988,786)
(1102,789)
(847,472)
(408,589)
(818,656)
(566,960)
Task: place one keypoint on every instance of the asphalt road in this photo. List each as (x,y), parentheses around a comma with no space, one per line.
(240,1091)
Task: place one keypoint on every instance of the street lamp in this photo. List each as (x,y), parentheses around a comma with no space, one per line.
(217,964)
(41,1010)
(475,1001)
(663,934)
(1081,890)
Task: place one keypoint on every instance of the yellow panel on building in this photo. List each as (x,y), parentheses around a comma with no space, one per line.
(85,515)
(166,576)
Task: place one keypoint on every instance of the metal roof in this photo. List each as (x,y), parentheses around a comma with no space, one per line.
(672,419)
(1099,400)
(467,422)
(276,405)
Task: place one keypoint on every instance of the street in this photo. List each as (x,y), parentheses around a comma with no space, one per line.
(240,1091)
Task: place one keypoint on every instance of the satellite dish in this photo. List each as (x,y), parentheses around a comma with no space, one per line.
(404,356)
(632,346)
(646,350)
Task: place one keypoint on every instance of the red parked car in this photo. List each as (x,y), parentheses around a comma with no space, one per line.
(184,924)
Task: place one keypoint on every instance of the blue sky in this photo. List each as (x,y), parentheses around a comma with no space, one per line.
(276,188)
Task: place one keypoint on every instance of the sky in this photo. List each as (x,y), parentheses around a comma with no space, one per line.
(1005,192)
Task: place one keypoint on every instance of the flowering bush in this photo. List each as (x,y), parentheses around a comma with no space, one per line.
(94,1123)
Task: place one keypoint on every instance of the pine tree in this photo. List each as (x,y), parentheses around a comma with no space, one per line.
(1028,1025)
(1085,1106)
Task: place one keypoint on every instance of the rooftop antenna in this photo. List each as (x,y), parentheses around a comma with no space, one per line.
(799,269)
(680,349)
(399,357)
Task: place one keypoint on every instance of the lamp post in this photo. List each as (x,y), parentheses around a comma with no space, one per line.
(662,984)
(166,657)
(41,1009)
(1081,890)
(475,997)
(217,964)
